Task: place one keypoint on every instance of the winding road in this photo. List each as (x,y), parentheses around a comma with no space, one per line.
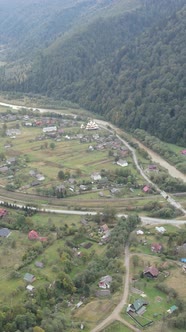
(166,196)
(105,124)
(115,315)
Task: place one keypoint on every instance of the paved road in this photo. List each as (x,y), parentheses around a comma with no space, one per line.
(145,220)
(166,196)
(115,314)
(105,124)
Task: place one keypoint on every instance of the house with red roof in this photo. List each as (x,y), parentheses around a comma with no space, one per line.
(156,247)
(146,189)
(183,152)
(151,272)
(33,235)
(3,212)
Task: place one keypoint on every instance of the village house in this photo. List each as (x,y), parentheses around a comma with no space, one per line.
(104,228)
(152,167)
(106,237)
(139,232)
(13,131)
(95,176)
(40,177)
(115,191)
(105,282)
(160,230)
(34,236)
(49,129)
(3,212)
(138,306)
(82,187)
(156,247)
(151,272)
(122,163)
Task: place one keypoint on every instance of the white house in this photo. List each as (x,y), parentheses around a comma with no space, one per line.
(96,176)
(160,229)
(49,129)
(122,163)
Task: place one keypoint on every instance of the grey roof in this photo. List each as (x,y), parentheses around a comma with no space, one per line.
(29,277)
(39,264)
(4,232)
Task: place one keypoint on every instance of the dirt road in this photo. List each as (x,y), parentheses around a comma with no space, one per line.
(115,315)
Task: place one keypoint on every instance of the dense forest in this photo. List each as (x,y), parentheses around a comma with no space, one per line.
(128,67)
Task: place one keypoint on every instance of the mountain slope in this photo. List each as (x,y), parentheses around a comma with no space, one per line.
(28,25)
(128,67)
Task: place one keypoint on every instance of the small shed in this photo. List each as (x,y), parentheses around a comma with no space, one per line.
(30,288)
(172,309)
(146,189)
(39,264)
(28,277)
(4,232)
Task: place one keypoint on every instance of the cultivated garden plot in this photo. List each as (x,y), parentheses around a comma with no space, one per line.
(51,156)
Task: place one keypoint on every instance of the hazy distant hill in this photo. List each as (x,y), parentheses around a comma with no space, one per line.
(123,59)
(28,25)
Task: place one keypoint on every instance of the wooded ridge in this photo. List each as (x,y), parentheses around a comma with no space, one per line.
(128,67)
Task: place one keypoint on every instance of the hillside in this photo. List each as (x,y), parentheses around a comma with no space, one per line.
(125,64)
(26,26)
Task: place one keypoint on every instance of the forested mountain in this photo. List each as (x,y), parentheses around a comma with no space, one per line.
(26,26)
(128,66)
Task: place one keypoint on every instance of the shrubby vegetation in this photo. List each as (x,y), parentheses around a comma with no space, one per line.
(161,148)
